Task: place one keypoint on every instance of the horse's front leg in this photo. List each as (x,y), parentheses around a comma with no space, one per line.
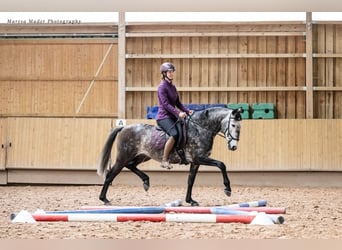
(211,162)
(191,180)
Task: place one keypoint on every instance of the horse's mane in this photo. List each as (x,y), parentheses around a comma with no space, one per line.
(211,117)
(214,113)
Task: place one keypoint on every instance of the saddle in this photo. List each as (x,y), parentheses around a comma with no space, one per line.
(180,144)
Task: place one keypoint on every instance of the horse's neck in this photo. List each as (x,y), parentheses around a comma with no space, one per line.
(213,121)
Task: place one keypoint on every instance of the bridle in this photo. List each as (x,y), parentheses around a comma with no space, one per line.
(230,137)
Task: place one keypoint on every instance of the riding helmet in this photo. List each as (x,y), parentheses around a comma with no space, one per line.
(167,66)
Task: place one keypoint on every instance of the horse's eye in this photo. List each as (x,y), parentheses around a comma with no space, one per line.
(233,125)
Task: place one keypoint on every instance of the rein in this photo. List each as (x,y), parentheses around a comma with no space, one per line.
(219,134)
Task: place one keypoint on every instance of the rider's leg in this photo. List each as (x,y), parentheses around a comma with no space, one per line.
(167,149)
(168,125)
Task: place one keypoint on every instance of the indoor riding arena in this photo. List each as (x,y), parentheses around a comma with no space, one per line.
(65,87)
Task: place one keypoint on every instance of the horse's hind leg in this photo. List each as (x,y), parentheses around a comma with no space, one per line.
(144,177)
(116,169)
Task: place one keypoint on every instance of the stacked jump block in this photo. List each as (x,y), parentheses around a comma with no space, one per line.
(263,111)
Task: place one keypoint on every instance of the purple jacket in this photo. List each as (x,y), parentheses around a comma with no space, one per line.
(169,101)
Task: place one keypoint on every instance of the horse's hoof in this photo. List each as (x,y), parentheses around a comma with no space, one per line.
(194,203)
(105,201)
(146,186)
(227,192)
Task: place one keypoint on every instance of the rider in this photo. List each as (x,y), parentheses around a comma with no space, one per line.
(169,111)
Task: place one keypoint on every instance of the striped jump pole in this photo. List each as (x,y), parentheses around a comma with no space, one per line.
(115,210)
(204,218)
(145,211)
(277,219)
(176,203)
(201,210)
(258,203)
(222,210)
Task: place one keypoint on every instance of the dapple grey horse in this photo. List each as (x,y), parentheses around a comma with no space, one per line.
(138,143)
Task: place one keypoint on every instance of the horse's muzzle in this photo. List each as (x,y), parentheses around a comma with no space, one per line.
(233,148)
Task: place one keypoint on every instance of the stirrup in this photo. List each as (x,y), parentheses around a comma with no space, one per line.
(166,164)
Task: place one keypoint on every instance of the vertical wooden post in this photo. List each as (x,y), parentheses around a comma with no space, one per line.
(309,67)
(122,66)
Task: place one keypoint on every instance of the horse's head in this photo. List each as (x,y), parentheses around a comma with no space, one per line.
(231,128)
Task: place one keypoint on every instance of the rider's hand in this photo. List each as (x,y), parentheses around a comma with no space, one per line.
(182,115)
(191,112)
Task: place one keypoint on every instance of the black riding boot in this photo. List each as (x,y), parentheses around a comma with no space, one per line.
(181,154)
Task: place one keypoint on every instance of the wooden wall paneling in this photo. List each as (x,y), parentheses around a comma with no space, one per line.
(265,145)
(233,69)
(103,101)
(331,144)
(157,48)
(52,60)
(290,97)
(251,68)
(204,69)
(329,71)
(222,69)
(325,150)
(281,77)
(195,70)
(338,73)
(213,72)
(272,72)
(121,67)
(261,69)
(309,67)
(74,144)
(300,78)
(259,153)
(268,145)
(138,79)
(129,104)
(4,143)
(320,96)
(317,73)
(297,151)
(5,92)
(242,69)
(146,77)
(185,69)
(46,81)
(130,71)
(176,48)
(75,60)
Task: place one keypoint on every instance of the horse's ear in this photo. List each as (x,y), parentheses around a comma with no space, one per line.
(238,110)
(237,113)
(205,113)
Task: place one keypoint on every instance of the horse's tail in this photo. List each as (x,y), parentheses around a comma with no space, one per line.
(106,151)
